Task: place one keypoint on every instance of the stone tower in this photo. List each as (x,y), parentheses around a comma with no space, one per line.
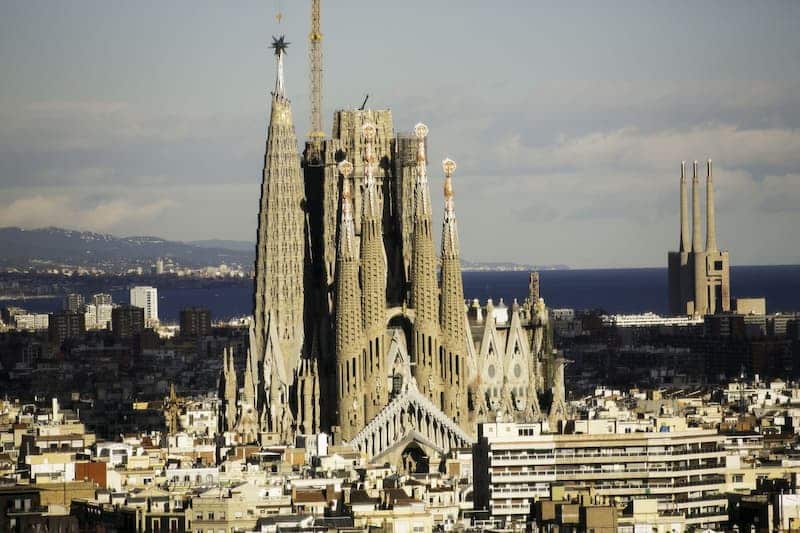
(455,341)
(348,324)
(373,280)
(357,330)
(424,287)
(279,291)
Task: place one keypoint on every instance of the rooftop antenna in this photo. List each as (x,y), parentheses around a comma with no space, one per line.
(364,103)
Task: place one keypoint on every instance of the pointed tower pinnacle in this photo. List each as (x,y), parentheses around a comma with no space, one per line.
(684,244)
(424,288)
(453,315)
(280,45)
(348,325)
(711,226)
(373,277)
(697,245)
(281,234)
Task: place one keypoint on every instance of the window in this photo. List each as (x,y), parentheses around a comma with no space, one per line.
(738,478)
(210,515)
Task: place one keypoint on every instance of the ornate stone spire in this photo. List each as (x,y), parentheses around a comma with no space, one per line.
(228,390)
(684,244)
(373,277)
(348,325)
(697,245)
(711,226)
(281,233)
(424,289)
(453,314)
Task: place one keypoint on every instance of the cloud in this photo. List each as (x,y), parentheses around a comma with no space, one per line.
(102,214)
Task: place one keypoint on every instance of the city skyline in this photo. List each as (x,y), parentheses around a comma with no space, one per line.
(130,120)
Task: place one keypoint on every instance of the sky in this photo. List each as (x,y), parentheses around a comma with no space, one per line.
(568,120)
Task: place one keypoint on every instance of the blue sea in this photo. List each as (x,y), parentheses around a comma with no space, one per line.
(630,290)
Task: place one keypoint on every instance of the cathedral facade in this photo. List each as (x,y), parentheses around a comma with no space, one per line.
(361,329)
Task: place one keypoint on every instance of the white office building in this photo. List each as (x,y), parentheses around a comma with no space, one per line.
(682,471)
(147,299)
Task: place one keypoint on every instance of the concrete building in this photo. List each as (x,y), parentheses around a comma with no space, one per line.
(32,322)
(127,321)
(72,302)
(684,471)
(195,322)
(101,299)
(65,325)
(357,330)
(147,299)
(699,277)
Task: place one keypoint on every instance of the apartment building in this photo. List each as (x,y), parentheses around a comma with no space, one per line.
(683,471)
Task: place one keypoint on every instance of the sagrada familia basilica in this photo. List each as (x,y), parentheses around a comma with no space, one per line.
(361,330)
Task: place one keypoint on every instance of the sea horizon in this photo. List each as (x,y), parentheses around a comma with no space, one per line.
(614,290)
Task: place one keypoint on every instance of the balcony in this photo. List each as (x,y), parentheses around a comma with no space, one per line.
(503,458)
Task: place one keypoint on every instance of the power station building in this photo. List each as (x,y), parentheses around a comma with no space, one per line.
(699,278)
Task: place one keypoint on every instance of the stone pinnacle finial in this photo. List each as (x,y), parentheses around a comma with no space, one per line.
(346,168)
(448,166)
(370,132)
(421,131)
(370,204)
(279,45)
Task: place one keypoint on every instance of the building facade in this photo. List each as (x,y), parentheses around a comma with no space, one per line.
(195,322)
(699,277)
(127,321)
(683,471)
(147,299)
(361,328)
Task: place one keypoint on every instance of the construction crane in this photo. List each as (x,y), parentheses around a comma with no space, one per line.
(315,59)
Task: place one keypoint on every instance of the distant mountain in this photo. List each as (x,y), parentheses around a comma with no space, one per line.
(239,246)
(22,248)
(63,247)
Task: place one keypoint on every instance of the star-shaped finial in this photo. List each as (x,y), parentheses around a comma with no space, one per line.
(279,45)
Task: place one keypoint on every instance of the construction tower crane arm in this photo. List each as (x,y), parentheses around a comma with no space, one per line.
(315,57)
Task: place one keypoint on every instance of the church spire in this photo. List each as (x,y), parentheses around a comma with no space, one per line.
(373,276)
(453,315)
(424,289)
(348,325)
(281,232)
